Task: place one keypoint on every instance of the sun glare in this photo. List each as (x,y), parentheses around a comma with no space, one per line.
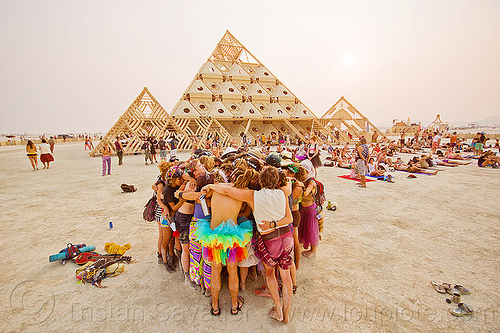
(349,59)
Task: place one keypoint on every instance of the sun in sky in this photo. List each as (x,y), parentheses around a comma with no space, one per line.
(349,59)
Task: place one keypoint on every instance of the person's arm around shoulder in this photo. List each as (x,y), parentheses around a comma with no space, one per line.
(287,219)
(241,194)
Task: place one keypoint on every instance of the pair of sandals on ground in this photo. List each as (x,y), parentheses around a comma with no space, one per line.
(453,289)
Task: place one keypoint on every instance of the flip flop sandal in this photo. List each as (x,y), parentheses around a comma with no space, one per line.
(459,290)
(447,286)
(294,289)
(462,310)
(439,287)
(241,301)
(214,312)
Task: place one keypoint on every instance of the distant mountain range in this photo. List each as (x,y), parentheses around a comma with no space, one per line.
(490,121)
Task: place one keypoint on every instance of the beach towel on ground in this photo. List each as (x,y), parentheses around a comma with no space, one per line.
(349,177)
(419,173)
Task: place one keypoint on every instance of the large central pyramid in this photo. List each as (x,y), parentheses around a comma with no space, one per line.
(233,92)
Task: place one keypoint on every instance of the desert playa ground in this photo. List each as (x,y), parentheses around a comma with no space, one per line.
(378,254)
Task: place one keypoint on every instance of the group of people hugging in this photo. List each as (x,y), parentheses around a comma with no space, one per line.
(244,214)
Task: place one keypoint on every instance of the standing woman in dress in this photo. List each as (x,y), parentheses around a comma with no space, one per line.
(32,154)
(308,227)
(45,155)
(313,153)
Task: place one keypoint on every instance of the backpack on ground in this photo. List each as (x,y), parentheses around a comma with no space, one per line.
(128,188)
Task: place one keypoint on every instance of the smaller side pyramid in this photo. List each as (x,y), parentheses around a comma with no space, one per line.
(345,118)
(144,118)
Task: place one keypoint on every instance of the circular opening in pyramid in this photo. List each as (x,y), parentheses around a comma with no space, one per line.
(252,111)
(213,85)
(282,128)
(255,129)
(186,110)
(280,111)
(285,92)
(200,88)
(262,107)
(259,91)
(288,108)
(202,106)
(220,111)
(251,70)
(233,107)
(269,89)
(231,89)
(304,111)
(243,88)
(266,73)
(308,128)
(223,68)
(211,69)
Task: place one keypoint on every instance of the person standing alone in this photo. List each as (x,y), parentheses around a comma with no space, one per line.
(361,166)
(119,151)
(106,159)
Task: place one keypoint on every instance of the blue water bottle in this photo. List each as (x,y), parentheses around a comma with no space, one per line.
(110,224)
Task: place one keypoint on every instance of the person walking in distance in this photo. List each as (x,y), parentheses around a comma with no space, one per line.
(52,143)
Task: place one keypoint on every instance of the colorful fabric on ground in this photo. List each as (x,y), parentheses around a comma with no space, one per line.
(112,248)
(226,242)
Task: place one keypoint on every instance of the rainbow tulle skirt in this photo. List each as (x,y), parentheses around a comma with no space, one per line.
(226,243)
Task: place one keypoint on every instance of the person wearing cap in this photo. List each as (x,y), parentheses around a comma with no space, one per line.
(273,159)
(275,245)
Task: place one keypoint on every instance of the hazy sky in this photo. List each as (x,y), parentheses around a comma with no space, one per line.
(76,66)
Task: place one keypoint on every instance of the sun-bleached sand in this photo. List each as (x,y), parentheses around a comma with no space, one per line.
(378,254)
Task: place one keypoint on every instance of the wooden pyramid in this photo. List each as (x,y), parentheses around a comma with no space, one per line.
(144,118)
(237,91)
(439,125)
(345,118)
